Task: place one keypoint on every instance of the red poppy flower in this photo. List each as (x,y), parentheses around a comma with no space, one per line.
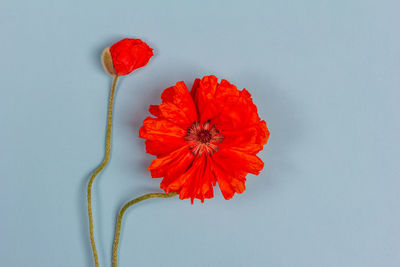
(125,56)
(207,136)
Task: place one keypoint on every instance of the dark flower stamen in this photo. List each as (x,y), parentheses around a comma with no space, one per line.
(203,138)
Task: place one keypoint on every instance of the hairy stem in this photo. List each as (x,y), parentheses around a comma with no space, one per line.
(99,169)
(121,214)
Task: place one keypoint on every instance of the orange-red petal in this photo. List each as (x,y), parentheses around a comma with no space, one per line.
(162,136)
(237,113)
(203,94)
(180,96)
(250,139)
(198,181)
(230,179)
(160,166)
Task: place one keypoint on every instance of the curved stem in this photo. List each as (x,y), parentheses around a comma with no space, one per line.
(121,214)
(100,168)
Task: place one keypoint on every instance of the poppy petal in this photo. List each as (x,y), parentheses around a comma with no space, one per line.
(160,166)
(180,96)
(250,140)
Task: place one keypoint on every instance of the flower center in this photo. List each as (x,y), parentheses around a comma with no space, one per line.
(203,138)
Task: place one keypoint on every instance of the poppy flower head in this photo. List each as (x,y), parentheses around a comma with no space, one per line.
(210,135)
(125,56)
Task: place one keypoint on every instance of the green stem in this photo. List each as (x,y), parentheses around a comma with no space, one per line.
(99,169)
(121,214)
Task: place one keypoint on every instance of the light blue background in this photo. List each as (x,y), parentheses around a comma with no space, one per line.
(324,74)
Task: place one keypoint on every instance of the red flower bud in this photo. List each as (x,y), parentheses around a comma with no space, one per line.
(125,56)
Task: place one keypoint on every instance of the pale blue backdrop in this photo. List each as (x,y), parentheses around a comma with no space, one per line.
(324,74)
